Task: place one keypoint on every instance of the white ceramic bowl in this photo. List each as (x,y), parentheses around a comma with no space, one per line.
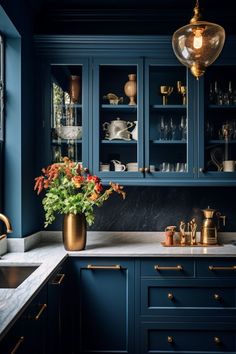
(69,132)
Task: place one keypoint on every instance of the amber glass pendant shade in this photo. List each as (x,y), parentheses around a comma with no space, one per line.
(198,44)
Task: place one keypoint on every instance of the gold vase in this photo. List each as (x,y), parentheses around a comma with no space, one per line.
(74,232)
(130,89)
(74,89)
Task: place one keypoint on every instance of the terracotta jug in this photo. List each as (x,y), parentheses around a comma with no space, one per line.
(130,89)
(74,89)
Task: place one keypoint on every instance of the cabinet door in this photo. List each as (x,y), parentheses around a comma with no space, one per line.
(169,121)
(118,118)
(59,324)
(217,121)
(105,305)
(69,112)
(14,341)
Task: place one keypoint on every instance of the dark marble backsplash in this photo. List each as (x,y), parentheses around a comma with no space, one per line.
(153,208)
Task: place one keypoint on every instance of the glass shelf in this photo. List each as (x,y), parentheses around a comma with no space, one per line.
(66,141)
(168,141)
(122,107)
(119,141)
(168,106)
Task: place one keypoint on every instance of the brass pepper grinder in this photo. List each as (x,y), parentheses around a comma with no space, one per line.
(209,228)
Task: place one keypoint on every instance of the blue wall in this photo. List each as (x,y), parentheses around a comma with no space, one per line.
(19,198)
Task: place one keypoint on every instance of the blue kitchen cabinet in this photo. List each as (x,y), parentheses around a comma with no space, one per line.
(104,305)
(59,337)
(181,132)
(28,334)
(186,305)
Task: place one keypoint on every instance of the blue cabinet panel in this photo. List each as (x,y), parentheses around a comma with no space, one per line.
(105,313)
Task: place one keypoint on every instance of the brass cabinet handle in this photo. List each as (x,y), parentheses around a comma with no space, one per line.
(43,307)
(58,279)
(116,266)
(170,339)
(217,340)
(170,296)
(147,169)
(141,169)
(211,267)
(158,267)
(216,297)
(20,340)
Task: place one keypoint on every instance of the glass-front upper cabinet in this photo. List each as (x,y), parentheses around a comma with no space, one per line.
(69,118)
(218,155)
(168,122)
(117,118)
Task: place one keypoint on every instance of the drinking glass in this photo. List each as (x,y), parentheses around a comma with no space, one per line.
(183,128)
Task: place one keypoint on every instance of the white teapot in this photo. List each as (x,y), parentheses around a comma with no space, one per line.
(117,129)
(134,132)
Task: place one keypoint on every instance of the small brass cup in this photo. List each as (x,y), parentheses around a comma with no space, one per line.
(165,91)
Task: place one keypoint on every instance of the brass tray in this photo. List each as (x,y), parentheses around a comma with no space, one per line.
(188,245)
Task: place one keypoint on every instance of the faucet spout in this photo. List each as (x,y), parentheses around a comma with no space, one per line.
(7,223)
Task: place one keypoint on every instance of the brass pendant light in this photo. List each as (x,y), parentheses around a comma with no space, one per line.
(198,44)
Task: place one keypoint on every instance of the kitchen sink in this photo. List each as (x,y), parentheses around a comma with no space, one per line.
(11,276)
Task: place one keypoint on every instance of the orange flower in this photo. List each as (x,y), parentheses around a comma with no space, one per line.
(78,180)
(94,196)
(39,184)
(117,188)
(94,179)
(98,187)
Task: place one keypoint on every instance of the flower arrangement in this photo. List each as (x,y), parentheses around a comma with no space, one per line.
(70,190)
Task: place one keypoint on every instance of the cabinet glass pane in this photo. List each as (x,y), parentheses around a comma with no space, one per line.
(66,118)
(168,123)
(118,118)
(220,120)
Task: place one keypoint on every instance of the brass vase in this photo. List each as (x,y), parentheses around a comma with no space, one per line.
(130,89)
(74,232)
(74,88)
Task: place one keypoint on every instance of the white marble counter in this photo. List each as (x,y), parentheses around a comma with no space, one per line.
(49,253)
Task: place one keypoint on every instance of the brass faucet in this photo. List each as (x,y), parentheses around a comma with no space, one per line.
(6,221)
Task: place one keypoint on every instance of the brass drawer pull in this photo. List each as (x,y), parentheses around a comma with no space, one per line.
(116,266)
(170,339)
(158,267)
(170,296)
(211,267)
(217,297)
(43,307)
(217,340)
(58,279)
(14,350)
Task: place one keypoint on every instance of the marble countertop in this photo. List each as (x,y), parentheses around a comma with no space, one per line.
(50,253)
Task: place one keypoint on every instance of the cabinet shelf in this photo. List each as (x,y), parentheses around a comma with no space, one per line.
(119,141)
(168,106)
(66,141)
(71,105)
(222,106)
(168,141)
(119,107)
(220,142)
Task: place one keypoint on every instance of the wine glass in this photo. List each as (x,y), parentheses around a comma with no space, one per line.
(165,91)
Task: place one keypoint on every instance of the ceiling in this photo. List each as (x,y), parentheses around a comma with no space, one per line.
(125,16)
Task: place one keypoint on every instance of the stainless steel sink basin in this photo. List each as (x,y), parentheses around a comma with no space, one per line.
(11,276)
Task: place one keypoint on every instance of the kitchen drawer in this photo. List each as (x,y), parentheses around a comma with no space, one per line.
(216,267)
(167,338)
(158,294)
(167,267)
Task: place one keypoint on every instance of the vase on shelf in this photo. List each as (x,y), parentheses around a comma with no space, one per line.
(74,232)
(130,89)
(74,88)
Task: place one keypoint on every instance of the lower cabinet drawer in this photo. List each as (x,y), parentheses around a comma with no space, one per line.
(165,268)
(157,338)
(156,295)
(216,268)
